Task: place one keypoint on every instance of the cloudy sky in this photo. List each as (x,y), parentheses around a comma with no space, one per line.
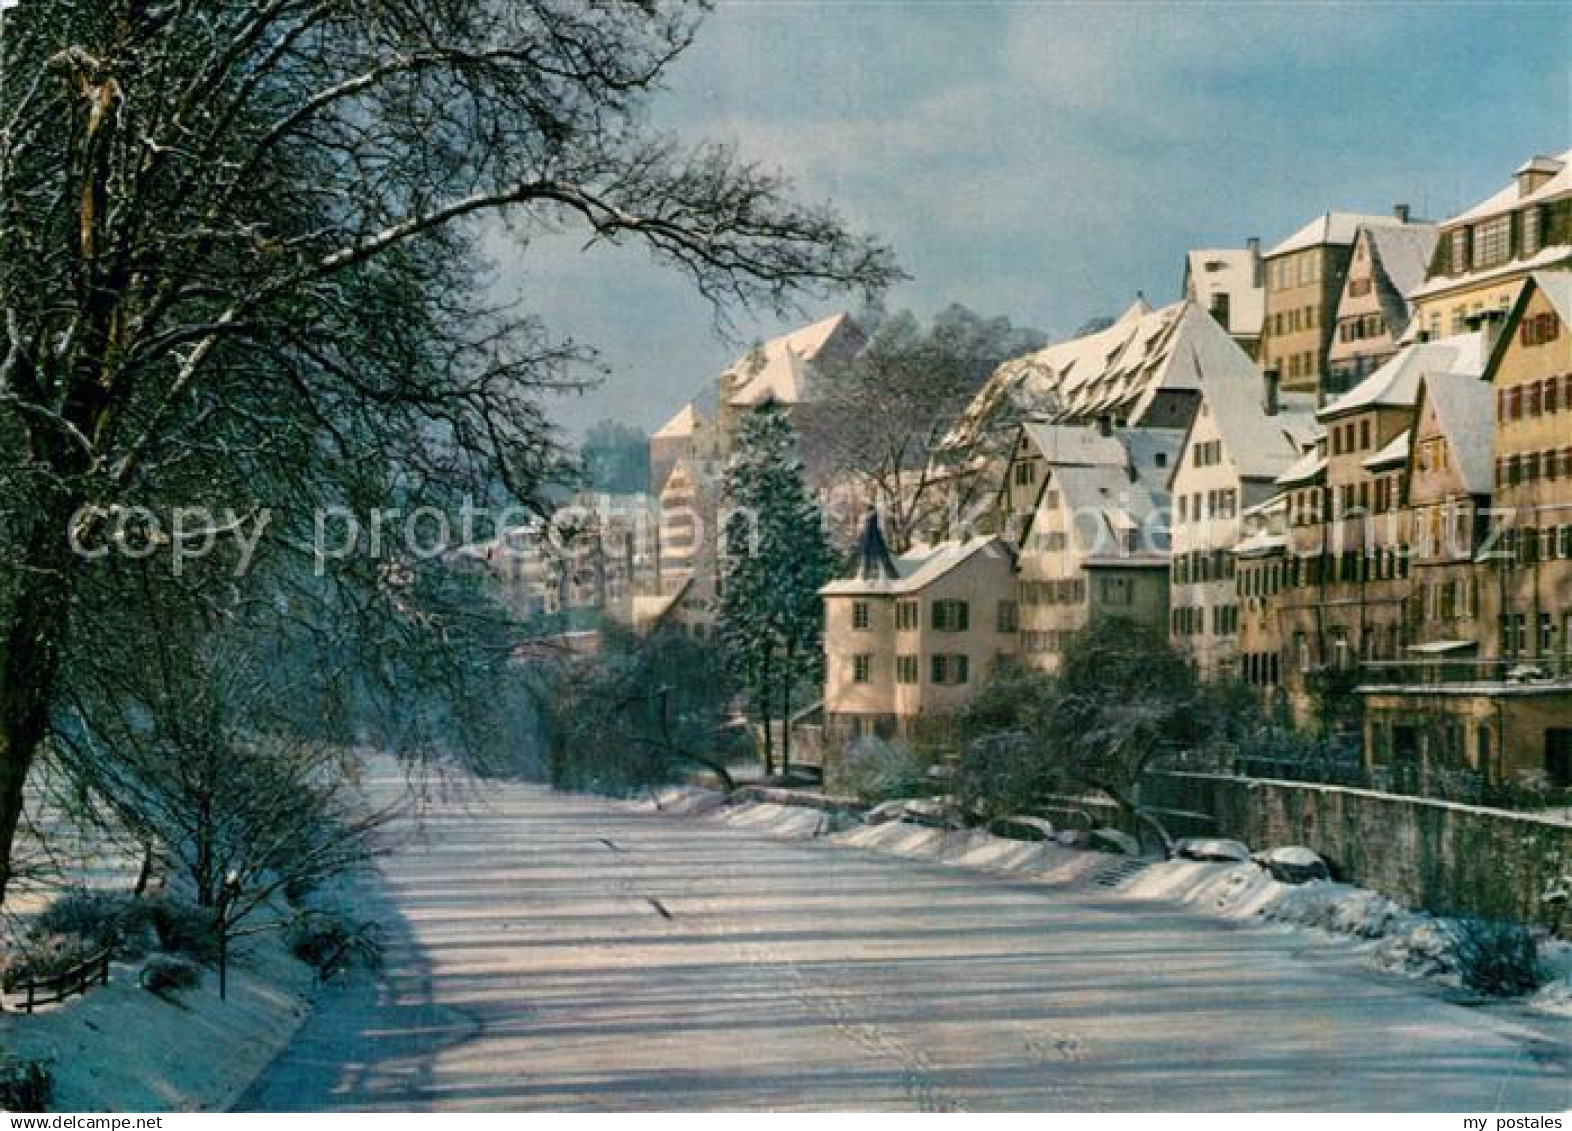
(1047,161)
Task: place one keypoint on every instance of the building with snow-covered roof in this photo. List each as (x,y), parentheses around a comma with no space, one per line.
(1304,280)
(1144,371)
(687,435)
(783,370)
(1086,507)
(1487,251)
(1230,284)
(1349,536)
(1245,434)
(1373,312)
(909,639)
(1484,692)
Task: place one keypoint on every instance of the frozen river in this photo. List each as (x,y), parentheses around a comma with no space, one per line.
(563,952)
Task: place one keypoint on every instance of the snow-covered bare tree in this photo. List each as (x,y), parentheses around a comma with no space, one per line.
(239,270)
(774,559)
(881,415)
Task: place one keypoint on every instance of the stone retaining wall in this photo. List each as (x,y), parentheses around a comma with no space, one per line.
(1440,856)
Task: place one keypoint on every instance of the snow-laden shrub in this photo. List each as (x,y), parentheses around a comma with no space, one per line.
(110,921)
(876,769)
(1497,957)
(42,955)
(25,1085)
(164,974)
(329,942)
(1332,907)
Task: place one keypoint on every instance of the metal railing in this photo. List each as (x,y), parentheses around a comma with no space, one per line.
(1511,671)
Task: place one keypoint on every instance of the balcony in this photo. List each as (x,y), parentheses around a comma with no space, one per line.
(1553,671)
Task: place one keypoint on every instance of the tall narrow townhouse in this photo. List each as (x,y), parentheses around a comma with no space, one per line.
(1261,571)
(1304,281)
(1375,308)
(1245,434)
(1485,253)
(1087,508)
(1348,536)
(1530,587)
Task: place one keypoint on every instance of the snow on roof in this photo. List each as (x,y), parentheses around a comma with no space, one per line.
(1393,453)
(1261,446)
(1553,256)
(1404,253)
(917,568)
(1065,445)
(1210,272)
(1338,228)
(1556,286)
(778,369)
(685,423)
(1396,383)
(1117,372)
(1463,408)
(1304,469)
(1510,197)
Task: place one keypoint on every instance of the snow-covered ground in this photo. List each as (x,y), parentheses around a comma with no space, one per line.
(1387,935)
(120,1048)
(556,951)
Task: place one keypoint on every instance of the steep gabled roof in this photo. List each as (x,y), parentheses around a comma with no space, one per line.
(870,558)
(778,369)
(1396,383)
(1336,228)
(1403,253)
(1463,406)
(687,421)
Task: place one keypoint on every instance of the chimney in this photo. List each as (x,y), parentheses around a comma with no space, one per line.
(1105,425)
(1271,402)
(1401,212)
(1257,268)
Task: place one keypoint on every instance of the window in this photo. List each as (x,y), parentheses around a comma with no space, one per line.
(1459,251)
(862,668)
(905,669)
(1117,591)
(1530,230)
(950,616)
(1008,618)
(1025,473)
(948,670)
(1539,330)
(860,617)
(906,619)
(1492,242)
(1364,435)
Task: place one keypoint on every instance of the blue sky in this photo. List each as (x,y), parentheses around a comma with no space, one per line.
(1047,161)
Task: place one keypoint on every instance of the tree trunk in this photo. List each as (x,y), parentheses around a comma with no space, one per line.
(30,665)
(764,715)
(786,715)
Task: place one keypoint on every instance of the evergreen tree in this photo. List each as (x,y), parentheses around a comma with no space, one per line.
(774,559)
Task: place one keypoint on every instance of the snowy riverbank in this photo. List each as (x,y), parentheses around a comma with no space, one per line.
(1387,936)
(123,1049)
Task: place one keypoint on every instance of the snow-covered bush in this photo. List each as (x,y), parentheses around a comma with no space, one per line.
(110,921)
(126,925)
(25,1085)
(43,955)
(164,974)
(876,769)
(329,942)
(1336,908)
(1497,957)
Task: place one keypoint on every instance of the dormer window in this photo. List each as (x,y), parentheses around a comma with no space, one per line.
(1492,242)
